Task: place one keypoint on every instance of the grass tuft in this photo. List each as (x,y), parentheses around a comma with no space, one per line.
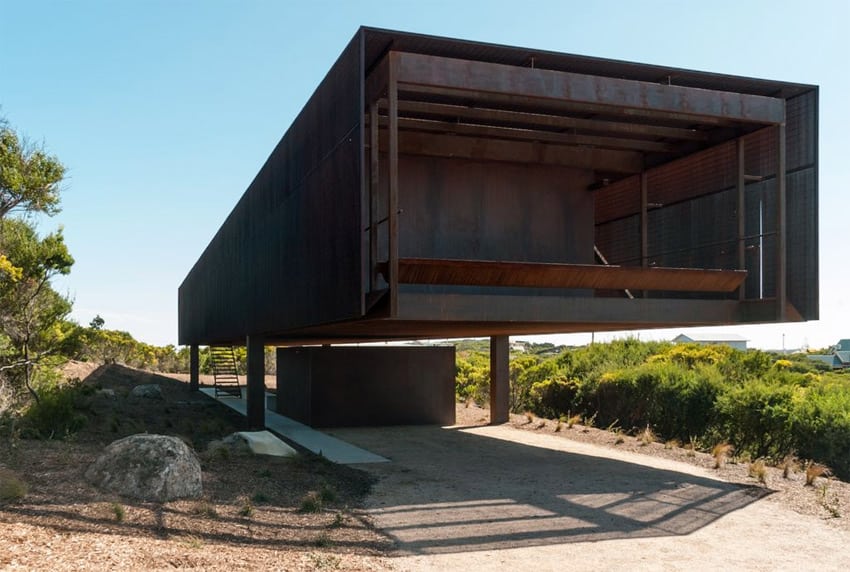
(758,470)
(12,488)
(311,503)
(813,471)
(247,509)
(721,453)
(323,540)
(206,509)
(672,444)
(338,521)
(117,512)
(572,420)
(789,465)
(327,494)
(647,437)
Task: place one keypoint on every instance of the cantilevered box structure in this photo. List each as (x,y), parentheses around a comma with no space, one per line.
(435,188)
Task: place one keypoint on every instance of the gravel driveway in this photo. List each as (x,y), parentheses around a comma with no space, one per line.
(498,498)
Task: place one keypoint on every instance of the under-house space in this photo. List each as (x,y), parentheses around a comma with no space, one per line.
(438,188)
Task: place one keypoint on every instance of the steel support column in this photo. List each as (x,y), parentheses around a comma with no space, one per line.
(392,97)
(781,228)
(742,230)
(644,222)
(374,167)
(500,383)
(194,367)
(256,381)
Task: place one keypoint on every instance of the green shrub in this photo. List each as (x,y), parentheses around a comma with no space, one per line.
(822,425)
(553,397)
(472,379)
(56,415)
(12,488)
(757,417)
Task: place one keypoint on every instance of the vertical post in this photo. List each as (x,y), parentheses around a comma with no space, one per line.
(644,223)
(781,228)
(194,367)
(256,381)
(500,383)
(393,183)
(374,165)
(742,230)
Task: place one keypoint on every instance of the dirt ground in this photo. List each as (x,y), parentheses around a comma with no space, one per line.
(531,494)
(527,497)
(248,519)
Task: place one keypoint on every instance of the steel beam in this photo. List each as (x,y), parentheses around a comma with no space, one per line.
(194,367)
(649,99)
(740,185)
(256,382)
(454,309)
(486,131)
(549,275)
(781,227)
(374,171)
(392,215)
(500,379)
(531,120)
(483,149)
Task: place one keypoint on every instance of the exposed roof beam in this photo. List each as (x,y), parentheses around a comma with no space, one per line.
(631,96)
(487,149)
(524,119)
(448,127)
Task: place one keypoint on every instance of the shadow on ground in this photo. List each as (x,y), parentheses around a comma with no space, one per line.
(456,490)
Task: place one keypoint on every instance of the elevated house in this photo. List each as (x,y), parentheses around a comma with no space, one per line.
(435,188)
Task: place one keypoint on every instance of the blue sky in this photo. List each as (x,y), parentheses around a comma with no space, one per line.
(163,111)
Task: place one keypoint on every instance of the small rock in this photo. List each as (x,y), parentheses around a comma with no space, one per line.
(149,391)
(109,393)
(148,467)
(253,442)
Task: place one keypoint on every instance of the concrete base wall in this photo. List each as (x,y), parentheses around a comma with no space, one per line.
(367,386)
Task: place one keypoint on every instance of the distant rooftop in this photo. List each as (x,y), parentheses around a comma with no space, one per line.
(719,337)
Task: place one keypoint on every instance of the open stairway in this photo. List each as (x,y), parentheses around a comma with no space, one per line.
(224,371)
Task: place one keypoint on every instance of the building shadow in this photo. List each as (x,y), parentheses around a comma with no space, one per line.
(462,489)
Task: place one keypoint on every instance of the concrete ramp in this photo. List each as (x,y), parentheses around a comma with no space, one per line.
(265,443)
(315,441)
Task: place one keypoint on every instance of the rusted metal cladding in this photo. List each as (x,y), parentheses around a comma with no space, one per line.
(289,254)
(459,209)
(692,212)
(435,188)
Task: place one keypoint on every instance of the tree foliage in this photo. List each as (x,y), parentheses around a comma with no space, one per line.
(29,177)
(31,312)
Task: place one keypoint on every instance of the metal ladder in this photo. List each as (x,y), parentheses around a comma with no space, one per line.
(224,371)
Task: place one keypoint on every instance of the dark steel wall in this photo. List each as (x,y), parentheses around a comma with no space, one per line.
(371,386)
(290,252)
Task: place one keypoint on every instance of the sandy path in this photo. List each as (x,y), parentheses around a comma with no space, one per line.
(497,498)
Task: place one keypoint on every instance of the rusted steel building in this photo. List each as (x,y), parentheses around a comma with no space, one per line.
(436,188)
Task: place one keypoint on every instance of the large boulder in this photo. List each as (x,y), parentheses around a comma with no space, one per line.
(148,467)
(148,391)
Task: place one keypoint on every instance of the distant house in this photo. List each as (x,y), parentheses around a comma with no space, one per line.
(838,359)
(731,340)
